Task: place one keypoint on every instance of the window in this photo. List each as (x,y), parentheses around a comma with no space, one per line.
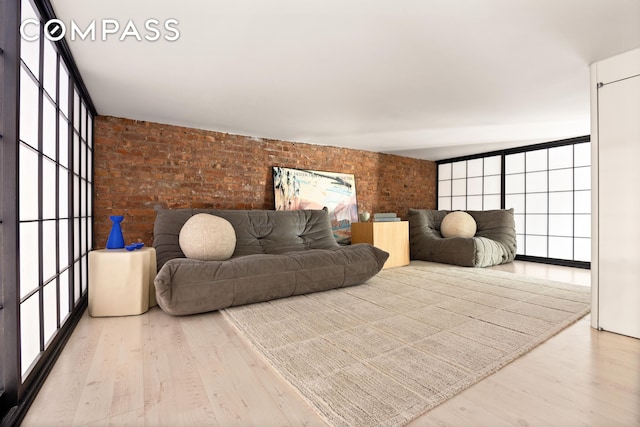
(50,161)
(547,185)
(470,184)
(550,192)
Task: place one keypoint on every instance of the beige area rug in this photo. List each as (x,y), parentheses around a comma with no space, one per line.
(385,352)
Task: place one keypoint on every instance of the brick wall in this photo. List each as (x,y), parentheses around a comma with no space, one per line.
(140,165)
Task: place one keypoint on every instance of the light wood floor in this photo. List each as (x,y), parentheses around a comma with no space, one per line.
(154,370)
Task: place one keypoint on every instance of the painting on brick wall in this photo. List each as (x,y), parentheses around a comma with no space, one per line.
(297,189)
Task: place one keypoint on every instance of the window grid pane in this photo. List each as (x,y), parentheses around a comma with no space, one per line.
(492,165)
(50,69)
(475,167)
(536,161)
(459,170)
(30,316)
(29,109)
(30,50)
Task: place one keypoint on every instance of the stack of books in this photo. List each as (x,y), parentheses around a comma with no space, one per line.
(385,217)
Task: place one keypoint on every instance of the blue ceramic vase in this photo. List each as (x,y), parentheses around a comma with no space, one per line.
(116,239)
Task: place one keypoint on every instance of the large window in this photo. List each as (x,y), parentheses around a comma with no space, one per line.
(51,166)
(547,185)
(550,192)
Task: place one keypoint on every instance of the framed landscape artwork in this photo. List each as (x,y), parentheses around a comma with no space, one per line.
(296,189)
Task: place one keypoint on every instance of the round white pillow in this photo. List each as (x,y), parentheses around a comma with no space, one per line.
(208,238)
(458,224)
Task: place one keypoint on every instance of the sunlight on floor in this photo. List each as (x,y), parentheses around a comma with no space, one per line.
(577,276)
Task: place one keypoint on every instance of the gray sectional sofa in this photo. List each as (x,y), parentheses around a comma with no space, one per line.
(278,254)
(494,242)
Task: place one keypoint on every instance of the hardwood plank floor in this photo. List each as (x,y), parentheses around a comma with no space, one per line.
(158,370)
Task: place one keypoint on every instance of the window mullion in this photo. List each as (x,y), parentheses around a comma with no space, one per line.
(40,189)
(9,107)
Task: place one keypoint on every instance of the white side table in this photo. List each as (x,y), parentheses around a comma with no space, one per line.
(121,281)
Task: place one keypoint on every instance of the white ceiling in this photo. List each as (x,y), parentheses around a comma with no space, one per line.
(423,78)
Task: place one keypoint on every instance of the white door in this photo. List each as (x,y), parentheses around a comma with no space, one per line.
(619,206)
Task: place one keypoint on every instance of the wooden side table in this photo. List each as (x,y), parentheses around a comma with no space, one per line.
(392,237)
(121,281)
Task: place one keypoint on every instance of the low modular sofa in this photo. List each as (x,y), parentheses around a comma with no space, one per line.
(494,242)
(277,254)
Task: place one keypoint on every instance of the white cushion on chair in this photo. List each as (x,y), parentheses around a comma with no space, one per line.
(458,224)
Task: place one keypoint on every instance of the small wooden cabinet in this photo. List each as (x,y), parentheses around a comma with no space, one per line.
(392,237)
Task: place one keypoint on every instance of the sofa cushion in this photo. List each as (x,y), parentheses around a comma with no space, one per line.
(187,286)
(458,224)
(207,237)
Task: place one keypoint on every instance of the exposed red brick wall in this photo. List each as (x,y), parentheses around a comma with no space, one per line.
(140,165)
